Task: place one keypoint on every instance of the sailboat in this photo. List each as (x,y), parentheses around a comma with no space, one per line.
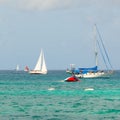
(94,72)
(26,69)
(17,68)
(40,67)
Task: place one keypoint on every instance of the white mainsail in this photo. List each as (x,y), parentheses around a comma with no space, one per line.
(17,67)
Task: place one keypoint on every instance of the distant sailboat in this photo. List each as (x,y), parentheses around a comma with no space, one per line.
(26,69)
(17,68)
(40,67)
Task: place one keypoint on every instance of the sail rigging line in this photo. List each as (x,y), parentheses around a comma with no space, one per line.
(104,47)
(102,54)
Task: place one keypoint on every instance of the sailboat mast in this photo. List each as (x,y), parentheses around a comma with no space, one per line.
(95,46)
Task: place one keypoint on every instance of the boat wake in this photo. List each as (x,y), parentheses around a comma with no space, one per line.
(62,81)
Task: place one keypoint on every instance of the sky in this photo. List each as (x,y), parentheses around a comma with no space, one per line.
(62,28)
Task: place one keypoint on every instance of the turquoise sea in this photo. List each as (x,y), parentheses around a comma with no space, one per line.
(48,97)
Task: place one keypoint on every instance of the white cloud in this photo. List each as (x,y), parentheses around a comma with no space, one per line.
(58,4)
(45,4)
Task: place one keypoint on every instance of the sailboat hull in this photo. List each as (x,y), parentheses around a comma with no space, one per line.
(91,75)
(37,72)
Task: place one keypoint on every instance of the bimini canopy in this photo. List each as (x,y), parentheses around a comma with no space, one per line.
(85,70)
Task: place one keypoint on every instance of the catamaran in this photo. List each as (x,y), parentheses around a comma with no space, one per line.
(93,72)
(40,67)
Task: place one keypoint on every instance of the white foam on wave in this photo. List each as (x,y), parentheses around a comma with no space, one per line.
(89,89)
(51,88)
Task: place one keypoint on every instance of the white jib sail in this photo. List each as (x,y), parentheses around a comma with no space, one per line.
(43,68)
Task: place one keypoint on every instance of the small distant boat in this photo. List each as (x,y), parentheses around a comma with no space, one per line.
(40,67)
(17,68)
(73,78)
(26,69)
(72,68)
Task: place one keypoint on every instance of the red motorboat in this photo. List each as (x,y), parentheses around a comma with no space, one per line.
(72,79)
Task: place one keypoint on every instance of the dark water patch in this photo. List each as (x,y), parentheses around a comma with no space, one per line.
(111,117)
(76,105)
(53,118)
(108,111)
(83,110)
(15,117)
(113,111)
(40,104)
(36,117)
(109,99)
(57,111)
